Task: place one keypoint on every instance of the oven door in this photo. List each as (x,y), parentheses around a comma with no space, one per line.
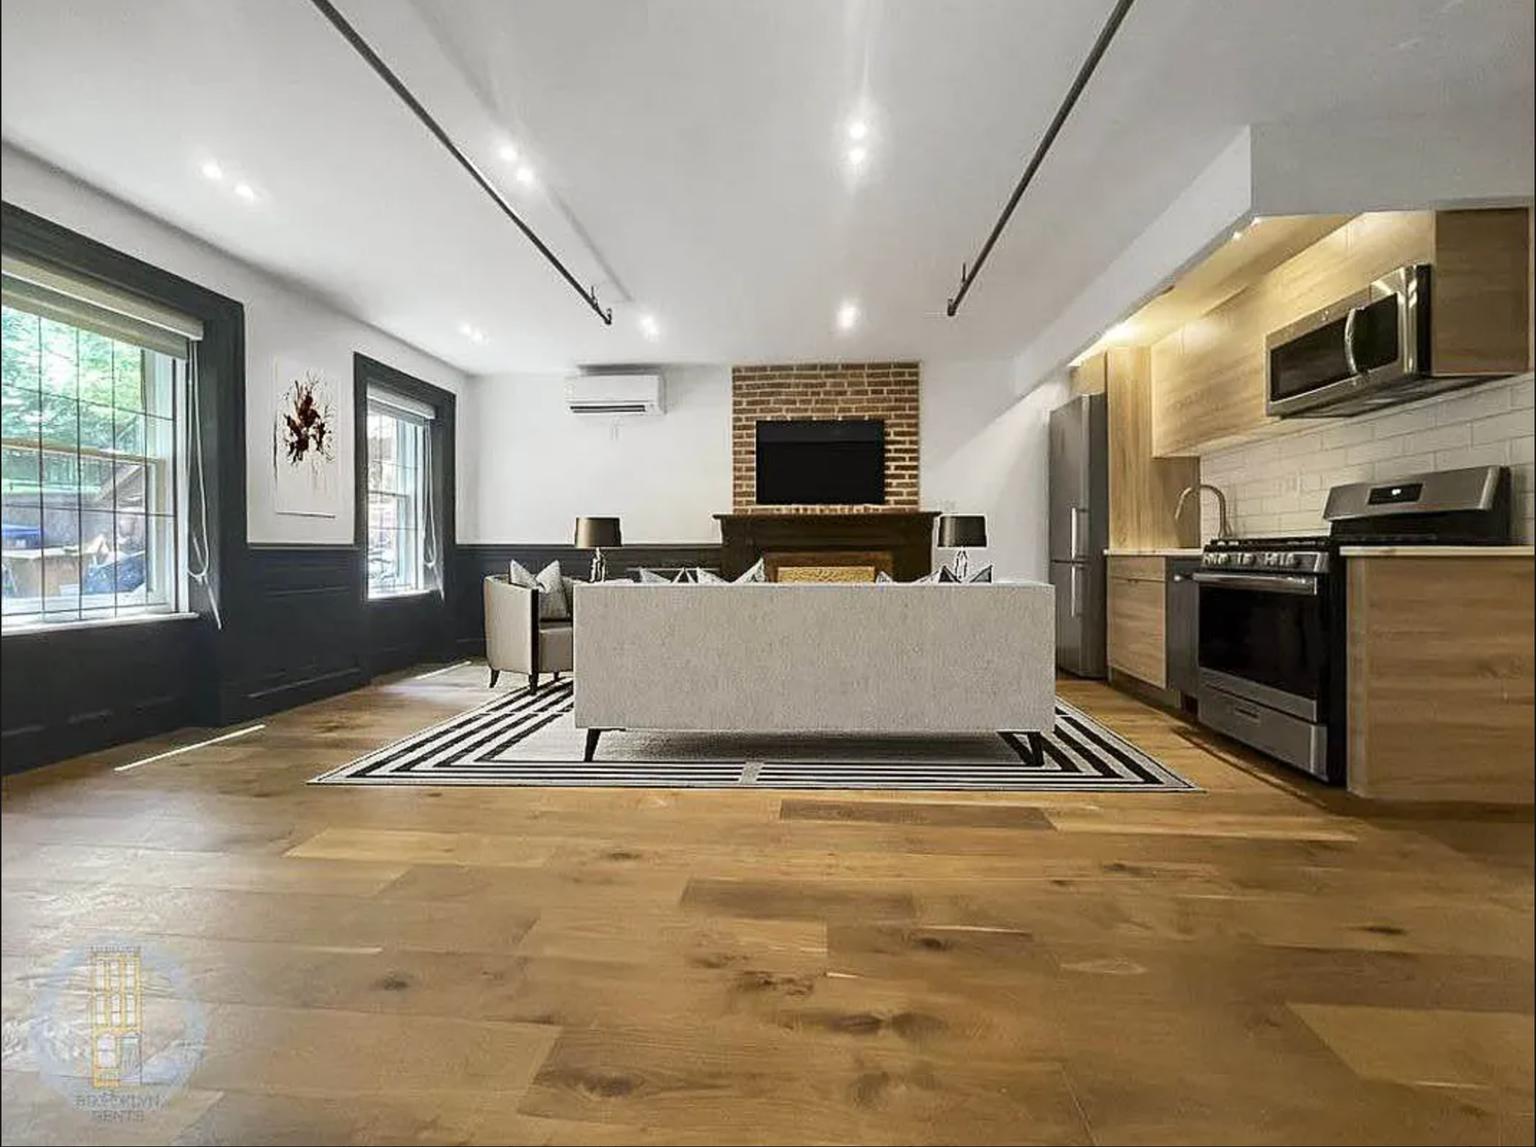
(1265,637)
(1369,341)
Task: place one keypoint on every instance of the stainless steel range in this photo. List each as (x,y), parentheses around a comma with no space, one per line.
(1272,610)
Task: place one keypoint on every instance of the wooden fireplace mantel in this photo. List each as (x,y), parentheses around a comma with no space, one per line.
(906,535)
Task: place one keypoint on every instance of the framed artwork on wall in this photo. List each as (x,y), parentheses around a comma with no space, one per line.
(305,434)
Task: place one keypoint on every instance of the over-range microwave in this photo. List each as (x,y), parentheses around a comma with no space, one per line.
(1368,350)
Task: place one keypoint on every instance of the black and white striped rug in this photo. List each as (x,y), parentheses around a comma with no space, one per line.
(526,739)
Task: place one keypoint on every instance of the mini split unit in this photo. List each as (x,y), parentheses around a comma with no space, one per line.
(614,394)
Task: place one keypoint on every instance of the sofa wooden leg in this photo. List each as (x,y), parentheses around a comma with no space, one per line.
(1037,748)
(533,682)
(495,673)
(592,736)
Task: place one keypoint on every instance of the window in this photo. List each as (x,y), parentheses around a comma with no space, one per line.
(89,476)
(400,544)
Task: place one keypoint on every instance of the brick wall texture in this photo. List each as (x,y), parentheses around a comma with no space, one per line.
(848,390)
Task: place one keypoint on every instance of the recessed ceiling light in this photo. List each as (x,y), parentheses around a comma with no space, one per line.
(507,152)
(649,327)
(473,333)
(857,130)
(525,175)
(246,192)
(857,155)
(847,316)
(211,170)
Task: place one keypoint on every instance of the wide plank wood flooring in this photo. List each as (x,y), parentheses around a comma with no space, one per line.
(1262,962)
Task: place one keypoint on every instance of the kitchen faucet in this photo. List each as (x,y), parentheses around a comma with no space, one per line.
(1224,530)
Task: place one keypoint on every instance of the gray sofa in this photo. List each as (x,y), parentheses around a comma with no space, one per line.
(841,658)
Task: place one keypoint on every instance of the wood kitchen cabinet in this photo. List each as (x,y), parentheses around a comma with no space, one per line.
(1208,385)
(1153,630)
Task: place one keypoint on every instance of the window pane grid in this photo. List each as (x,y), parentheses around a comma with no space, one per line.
(397,496)
(87,474)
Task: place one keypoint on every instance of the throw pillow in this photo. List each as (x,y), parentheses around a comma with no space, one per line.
(926,579)
(651,577)
(984,574)
(553,603)
(883,578)
(947,575)
(707,577)
(754,573)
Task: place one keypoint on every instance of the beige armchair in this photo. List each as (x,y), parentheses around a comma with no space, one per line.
(516,640)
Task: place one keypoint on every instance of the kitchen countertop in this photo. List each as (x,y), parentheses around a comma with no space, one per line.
(1438,551)
(1168,552)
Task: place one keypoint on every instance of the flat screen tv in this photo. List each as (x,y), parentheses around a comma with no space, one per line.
(821,462)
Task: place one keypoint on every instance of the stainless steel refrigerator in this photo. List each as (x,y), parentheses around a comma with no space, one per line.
(1080,531)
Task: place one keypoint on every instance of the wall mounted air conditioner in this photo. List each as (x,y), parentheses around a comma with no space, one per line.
(613,394)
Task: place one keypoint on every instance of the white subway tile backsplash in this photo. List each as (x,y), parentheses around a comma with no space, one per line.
(1280,485)
(1403,422)
(1442,438)
(1373,451)
(1479,402)
(1350,433)
(1489,454)
(1502,427)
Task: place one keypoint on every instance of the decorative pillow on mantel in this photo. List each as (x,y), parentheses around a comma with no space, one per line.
(553,603)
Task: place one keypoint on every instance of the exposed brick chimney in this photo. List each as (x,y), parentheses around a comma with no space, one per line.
(850,390)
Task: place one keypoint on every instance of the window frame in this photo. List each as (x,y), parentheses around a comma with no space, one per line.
(417,502)
(369,373)
(162,516)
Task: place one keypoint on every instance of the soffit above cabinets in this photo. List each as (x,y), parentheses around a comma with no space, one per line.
(1232,267)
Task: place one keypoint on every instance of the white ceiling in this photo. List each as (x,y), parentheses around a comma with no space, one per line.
(690,153)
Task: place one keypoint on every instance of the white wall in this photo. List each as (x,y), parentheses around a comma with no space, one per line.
(538,467)
(1279,485)
(281,321)
(985,450)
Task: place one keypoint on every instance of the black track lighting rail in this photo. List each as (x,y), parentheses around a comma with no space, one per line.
(360,45)
(1084,74)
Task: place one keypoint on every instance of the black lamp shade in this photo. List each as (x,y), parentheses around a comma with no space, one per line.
(597,533)
(962,531)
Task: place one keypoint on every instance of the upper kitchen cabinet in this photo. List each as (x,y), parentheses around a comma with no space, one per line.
(1208,384)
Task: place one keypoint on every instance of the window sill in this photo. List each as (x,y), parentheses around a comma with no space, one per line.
(401,595)
(94,623)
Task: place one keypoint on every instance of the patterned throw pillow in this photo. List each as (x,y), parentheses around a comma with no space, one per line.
(926,579)
(883,578)
(947,575)
(981,576)
(651,577)
(553,603)
(707,577)
(754,573)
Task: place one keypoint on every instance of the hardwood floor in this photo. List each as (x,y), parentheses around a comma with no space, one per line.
(1263,962)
